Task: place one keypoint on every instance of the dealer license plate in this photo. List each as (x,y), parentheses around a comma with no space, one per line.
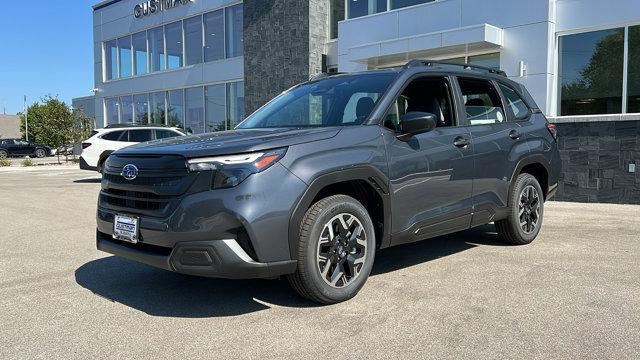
(125,228)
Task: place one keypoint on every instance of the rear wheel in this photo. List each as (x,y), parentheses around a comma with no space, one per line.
(3,154)
(336,250)
(527,210)
(40,153)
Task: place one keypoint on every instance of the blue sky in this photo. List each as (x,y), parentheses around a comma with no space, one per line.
(46,48)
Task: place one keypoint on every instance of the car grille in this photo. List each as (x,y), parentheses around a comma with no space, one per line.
(161,183)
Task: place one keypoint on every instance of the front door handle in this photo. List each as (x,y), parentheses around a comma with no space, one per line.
(514,134)
(461,141)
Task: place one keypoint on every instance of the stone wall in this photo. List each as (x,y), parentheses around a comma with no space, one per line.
(283,45)
(595,162)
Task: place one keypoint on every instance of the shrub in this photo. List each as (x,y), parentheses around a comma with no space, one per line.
(5,162)
(26,162)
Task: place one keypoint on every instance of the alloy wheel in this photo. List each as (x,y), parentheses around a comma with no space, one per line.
(529,209)
(342,250)
(40,153)
(3,154)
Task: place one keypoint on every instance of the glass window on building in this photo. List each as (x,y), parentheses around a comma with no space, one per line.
(337,14)
(194,105)
(215,108)
(173,38)
(158,108)
(156,49)
(193,40)
(358,8)
(633,77)
(214,35)
(125,58)
(397,4)
(175,111)
(111,60)
(141,107)
(487,60)
(112,113)
(235,103)
(590,72)
(126,109)
(233,30)
(139,42)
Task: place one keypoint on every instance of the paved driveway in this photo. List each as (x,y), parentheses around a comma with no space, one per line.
(572,294)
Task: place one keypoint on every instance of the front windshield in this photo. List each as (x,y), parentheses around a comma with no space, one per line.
(335,101)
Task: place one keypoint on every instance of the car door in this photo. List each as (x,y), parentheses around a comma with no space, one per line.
(430,173)
(10,146)
(22,148)
(498,143)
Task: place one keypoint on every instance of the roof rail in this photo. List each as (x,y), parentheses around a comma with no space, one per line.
(119,126)
(431,63)
(324,75)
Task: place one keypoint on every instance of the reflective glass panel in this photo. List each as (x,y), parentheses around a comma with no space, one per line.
(175,111)
(126,109)
(633,81)
(141,107)
(140,53)
(158,108)
(233,30)
(215,105)
(357,8)
(590,72)
(235,103)
(124,47)
(111,60)
(214,35)
(156,48)
(173,35)
(194,99)
(193,39)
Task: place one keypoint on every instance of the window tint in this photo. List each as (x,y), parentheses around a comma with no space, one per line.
(7,142)
(139,135)
(514,102)
(481,102)
(112,136)
(430,94)
(164,134)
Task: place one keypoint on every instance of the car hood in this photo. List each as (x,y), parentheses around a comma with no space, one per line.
(230,142)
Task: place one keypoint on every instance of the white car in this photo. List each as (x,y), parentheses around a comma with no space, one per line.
(103,142)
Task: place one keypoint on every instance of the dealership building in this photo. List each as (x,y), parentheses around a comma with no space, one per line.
(204,64)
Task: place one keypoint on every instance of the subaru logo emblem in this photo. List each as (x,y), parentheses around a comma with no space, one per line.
(129,172)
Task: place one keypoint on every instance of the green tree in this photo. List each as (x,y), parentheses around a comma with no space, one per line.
(50,123)
(81,127)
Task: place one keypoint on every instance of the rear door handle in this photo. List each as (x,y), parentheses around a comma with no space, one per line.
(514,134)
(461,141)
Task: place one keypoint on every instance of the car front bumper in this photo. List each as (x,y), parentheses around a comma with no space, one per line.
(213,258)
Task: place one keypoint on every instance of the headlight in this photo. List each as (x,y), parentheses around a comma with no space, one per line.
(230,170)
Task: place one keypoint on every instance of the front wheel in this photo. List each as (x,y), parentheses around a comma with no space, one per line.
(336,250)
(527,209)
(40,153)
(3,154)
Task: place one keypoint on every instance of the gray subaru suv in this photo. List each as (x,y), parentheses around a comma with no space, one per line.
(312,184)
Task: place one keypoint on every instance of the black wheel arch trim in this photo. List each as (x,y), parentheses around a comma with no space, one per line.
(103,157)
(529,160)
(370,174)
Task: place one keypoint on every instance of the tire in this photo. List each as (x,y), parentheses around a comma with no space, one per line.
(4,154)
(350,258)
(40,153)
(523,224)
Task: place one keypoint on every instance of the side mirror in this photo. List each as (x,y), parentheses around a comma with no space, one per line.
(416,122)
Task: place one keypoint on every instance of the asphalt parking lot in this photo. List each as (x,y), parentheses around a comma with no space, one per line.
(572,294)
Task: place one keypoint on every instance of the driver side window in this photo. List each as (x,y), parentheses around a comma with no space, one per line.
(427,94)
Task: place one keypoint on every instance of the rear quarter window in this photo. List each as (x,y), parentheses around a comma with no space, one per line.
(515,103)
(113,136)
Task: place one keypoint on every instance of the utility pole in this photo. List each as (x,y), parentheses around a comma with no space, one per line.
(26,119)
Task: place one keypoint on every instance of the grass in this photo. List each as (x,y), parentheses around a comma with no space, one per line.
(26,162)
(5,162)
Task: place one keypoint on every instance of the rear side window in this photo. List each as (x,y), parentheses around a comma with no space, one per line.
(514,102)
(7,142)
(163,134)
(113,136)
(139,135)
(482,102)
